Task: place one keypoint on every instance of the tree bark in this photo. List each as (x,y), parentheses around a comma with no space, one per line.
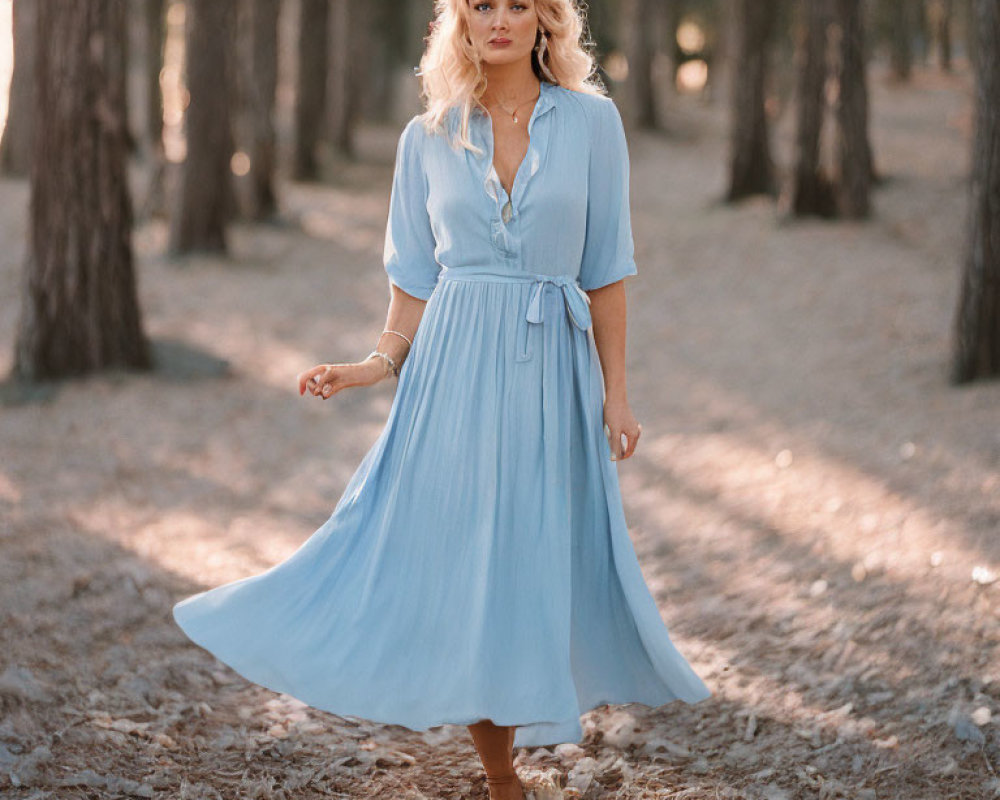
(942,14)
(311,96)
(971,40)
(977,320)
(154,42)
(900,38)
(347,75)
(751,169)
(205,199)
(341,74)
(263,147)
(640,103)
(854,154)
(812,191)
(155,32)
(80,310)
(16,144)
(377,49)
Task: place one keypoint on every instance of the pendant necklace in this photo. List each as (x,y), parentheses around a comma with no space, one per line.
(508,210)
(513,114)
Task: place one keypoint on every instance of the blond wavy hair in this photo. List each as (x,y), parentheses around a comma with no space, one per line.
(451,73)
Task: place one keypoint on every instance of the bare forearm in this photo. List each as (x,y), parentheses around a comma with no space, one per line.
(404,315)
(608,311)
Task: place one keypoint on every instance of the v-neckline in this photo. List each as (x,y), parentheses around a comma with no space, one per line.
(527,149)
(542,102)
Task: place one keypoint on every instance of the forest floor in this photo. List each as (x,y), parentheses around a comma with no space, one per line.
(814,506)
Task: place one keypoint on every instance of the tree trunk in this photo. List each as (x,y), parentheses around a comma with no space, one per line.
(901,38)
(751,170)
(348,78)
(154,43)
(640,104)
(263,148)
(722,67)
(854,154)
(977,321)
(942,21)
(971,40)
(358,76)
(155,32)
(80,310)
(342,73)
(204,202)
(812,191)
(921,23)
(311,96)
(661,62)
(16,144)
(378,52)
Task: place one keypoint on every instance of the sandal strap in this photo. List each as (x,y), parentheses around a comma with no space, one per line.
(501,779)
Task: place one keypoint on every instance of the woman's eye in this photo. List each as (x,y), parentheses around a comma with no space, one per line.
(486,6)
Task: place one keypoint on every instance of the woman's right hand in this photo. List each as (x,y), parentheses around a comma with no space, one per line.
(325,380)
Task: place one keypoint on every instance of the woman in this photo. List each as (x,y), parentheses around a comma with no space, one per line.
(478,569)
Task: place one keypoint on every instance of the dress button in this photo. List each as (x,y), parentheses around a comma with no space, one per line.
(507,211)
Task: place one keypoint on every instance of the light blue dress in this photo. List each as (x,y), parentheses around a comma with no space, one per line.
(478,564)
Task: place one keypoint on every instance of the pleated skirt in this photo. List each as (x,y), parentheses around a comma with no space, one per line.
(478,564)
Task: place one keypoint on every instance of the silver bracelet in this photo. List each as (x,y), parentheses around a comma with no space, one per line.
(385,357)
(398,334)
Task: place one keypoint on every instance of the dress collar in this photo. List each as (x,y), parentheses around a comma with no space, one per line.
(545,101)
(534,157)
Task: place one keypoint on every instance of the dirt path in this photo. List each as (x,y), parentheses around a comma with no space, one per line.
(815,509)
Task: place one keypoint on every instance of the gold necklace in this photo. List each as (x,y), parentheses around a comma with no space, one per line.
(513,114)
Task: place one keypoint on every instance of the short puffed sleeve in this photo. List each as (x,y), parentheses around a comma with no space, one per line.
(608,251)
(408,253)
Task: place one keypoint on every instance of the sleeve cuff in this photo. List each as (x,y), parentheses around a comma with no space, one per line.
(623,269)
(419,291)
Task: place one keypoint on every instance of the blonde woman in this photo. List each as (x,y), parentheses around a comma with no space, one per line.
(477,569)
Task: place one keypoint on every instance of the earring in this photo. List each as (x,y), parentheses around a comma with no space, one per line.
(540,44)
(540,50)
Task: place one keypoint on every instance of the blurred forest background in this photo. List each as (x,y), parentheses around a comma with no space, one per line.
(192,203)
(217,100)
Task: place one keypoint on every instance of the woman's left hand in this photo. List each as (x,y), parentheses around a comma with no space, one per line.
(621,428)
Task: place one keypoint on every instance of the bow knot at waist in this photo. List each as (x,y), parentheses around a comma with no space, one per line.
(576,300)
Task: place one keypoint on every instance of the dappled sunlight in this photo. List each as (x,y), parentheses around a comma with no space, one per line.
(355,223)
(692,72)
(864,522)
(175,95)
(690,37)
(264,342)
(187,544)
(751,692)
(10,491)
(206,508)
(760,477)
(830,586)
(692,76)
(813,509)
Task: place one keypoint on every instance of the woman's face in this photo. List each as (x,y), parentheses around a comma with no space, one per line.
(503,31)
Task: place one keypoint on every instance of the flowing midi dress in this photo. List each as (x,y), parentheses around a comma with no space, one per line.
(478,564)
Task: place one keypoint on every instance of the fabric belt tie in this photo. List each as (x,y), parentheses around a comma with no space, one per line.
(576,300)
